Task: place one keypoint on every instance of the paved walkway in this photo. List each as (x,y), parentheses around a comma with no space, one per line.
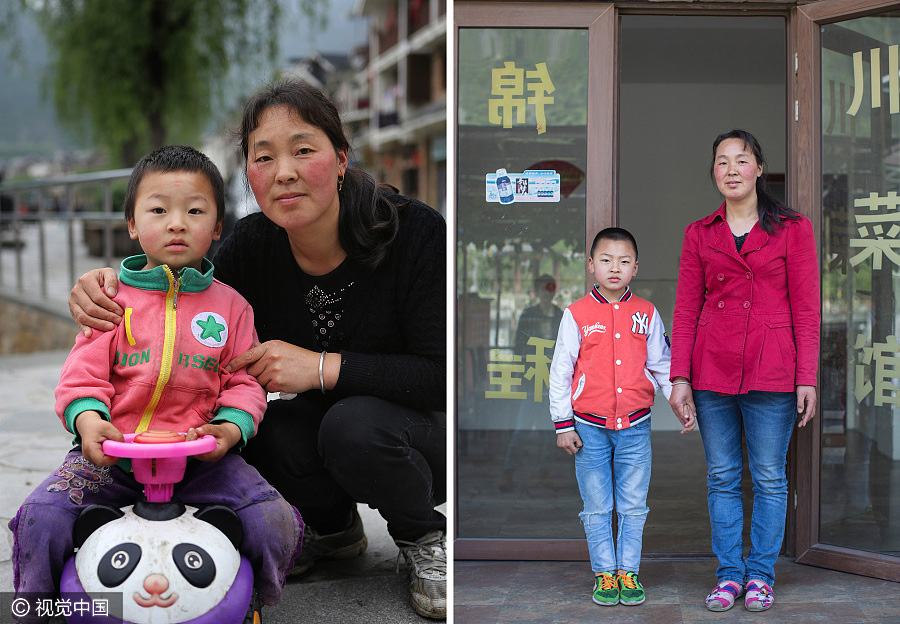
(494,592)
(33,443)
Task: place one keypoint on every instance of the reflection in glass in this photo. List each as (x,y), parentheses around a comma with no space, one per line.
(520,261)
(860,473)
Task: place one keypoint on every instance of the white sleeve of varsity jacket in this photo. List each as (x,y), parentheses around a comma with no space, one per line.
(659,353)
(562,369)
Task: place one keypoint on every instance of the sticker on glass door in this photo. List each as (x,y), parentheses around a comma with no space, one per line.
(528,186)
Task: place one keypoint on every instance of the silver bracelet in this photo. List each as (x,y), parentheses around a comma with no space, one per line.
(675,383)
(322,376)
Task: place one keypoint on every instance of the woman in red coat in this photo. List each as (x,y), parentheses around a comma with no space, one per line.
(745,350)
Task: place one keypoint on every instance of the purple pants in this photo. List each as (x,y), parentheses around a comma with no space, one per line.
(43,526)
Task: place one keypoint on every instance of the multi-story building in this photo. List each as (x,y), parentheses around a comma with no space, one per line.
(396,104)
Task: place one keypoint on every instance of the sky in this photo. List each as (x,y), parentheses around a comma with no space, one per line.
(27,119)
(340,35)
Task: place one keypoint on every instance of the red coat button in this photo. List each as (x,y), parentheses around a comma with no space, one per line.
(749,275)
(721,304)
(720,277)
(746,304)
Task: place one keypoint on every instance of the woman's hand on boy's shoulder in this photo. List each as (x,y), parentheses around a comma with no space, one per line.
(91,304)
(569,441)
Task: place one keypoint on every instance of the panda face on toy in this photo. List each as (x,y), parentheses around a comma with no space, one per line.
(170,568)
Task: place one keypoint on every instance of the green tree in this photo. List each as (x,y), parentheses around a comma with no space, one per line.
(144,73)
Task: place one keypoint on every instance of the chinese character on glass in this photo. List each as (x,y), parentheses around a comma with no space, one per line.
(501,371)
(887,364)
(506,370)
(508,102)
(540,372)
(877,232)
(875,80)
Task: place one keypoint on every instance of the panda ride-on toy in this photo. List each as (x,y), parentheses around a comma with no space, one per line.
(173,563)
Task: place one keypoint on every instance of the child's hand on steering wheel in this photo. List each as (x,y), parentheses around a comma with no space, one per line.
(94,430)
(227,434)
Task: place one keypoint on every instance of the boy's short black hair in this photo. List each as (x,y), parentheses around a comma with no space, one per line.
(616,234)
(173,158)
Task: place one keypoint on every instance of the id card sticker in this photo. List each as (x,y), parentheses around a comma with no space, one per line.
(528,186)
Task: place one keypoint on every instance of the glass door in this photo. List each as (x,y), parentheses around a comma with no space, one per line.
(525,169)
(520,262)
(856,489)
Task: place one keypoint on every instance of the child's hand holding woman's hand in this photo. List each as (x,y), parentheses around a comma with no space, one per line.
(94,430)
(688,418)
(569,442)
(226,434)
(682,403)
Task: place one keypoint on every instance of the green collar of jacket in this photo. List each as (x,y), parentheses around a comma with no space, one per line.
(192,280)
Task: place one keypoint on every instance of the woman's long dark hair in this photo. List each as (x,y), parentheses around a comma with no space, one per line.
(368,221)
(767,205)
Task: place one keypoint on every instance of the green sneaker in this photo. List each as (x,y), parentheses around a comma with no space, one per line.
(606,590)
(631,591)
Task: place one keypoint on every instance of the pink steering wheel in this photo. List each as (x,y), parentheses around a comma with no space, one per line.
(129,448)
(158,465)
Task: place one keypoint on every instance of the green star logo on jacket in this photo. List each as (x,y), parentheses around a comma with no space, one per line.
(210,329)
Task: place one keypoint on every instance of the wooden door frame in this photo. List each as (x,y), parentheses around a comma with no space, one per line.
(803,171)
(602,22)
(805,168)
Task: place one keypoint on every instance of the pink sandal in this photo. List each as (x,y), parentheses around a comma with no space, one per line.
(759,596)
(723,595)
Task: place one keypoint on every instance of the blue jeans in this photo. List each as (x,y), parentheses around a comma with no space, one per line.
(611,461)
(767,420)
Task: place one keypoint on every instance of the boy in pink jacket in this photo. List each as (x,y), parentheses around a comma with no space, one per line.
(162,368)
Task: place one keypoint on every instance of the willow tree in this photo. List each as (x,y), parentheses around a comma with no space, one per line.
(145,73)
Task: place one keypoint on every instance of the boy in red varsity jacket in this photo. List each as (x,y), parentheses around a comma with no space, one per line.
(162,368)
(611,354)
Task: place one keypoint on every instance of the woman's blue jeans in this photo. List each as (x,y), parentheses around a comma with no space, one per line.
(767,420)
(614,461)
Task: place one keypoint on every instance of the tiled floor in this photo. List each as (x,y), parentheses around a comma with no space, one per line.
(495,592)
(519,485)
(534,494)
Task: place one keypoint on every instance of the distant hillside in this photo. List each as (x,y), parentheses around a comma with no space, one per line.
(28,124)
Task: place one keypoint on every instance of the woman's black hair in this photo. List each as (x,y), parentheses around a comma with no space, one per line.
(767,205)
(368,221)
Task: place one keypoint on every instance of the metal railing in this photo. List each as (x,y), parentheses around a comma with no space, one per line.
(36,203)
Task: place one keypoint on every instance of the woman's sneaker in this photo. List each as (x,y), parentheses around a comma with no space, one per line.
(723,595)
(346,544)
(426,561)
(631,592)
(606,589)
(759,596)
